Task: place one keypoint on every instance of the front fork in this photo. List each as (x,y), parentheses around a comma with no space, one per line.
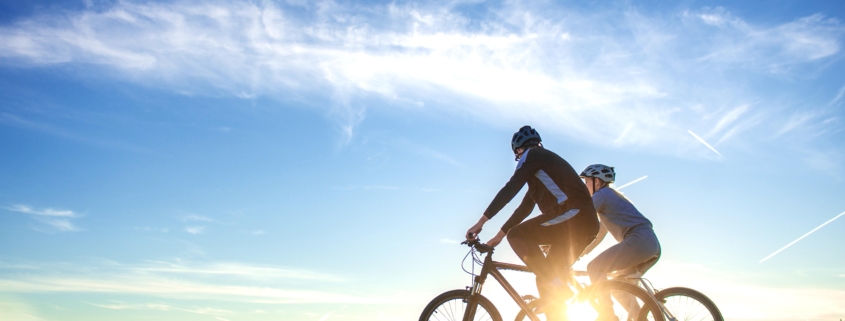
(475,290)
(472,300)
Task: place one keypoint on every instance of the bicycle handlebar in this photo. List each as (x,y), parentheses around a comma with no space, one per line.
(481,247)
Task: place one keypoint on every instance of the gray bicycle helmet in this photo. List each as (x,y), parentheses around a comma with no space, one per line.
(523,136)
(602,172)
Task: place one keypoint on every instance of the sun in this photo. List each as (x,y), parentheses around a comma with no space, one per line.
(581,311)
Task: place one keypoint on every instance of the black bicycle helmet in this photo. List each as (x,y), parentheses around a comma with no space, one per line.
(523,136)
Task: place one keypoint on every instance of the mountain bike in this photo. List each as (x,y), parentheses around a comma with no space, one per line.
(676,303)
(469,305)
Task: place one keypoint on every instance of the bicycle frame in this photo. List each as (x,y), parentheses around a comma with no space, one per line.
(493,268)
(649,288)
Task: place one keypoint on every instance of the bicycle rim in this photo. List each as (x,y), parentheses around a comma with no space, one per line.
(689,305)
(451,306)
(627,301)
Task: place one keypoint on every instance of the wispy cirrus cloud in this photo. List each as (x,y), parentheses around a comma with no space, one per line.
(125,306)
(234,269)
(51,219)
(17,120)
(197,218)
(727,288)
(235,282)
(49,212)
(780,46)
(644,79)
(449,241)
(161,307)
(195,230)
(368,187)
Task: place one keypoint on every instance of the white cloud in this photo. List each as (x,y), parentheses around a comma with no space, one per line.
(326,316)
(53,219)
(44,212)
(233,282)
(838,96)
(195,229)
(741,300)
(570,71)
(368,187)
(148,229)
(61,225)
(811,124)
(18,310)
(729,117)
(774,48)
(197,218)
(427,152)
(234,269)
(126,306)
(61,132)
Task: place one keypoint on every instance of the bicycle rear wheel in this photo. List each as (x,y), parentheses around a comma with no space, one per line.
(689,305)
(452,305)
(630,302)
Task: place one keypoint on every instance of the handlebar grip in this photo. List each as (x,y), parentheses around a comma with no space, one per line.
(483,248)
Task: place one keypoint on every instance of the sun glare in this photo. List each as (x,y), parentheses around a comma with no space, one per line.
(581,311)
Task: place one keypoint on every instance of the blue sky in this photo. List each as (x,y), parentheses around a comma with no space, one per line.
(318,160)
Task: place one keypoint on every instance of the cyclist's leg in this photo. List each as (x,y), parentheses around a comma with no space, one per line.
(639,246)
(567,246)
(525,239)
(570,241)
(648,264)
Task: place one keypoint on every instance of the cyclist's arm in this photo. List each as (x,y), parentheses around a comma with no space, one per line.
(599,237)
(522,211)
(598,203)
(525,208)
(496,239)
(473,231)
(513,186)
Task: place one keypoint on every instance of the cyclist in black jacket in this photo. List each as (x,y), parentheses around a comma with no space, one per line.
(567,222)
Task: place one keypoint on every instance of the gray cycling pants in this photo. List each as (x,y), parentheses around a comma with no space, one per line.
(639,250)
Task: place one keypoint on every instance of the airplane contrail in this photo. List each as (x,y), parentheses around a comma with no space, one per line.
(800,238)
(632,182)
(704,142)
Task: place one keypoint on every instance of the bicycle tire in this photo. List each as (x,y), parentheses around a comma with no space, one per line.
(648,308)
(689,305)
(450,306)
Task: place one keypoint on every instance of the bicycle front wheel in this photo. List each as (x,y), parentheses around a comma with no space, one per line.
(629,301)
(686,304)
(452,305)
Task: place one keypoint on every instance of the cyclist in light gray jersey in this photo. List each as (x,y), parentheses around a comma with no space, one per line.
(638,248)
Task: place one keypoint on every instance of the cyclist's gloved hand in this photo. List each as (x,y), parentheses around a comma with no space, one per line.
(496,239)
(473,231)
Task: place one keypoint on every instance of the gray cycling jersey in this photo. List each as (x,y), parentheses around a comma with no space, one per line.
(617,213)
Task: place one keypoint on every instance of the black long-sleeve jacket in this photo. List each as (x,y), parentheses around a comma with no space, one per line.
(552,184)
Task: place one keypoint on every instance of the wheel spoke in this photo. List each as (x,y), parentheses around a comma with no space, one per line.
(689,305)
(451,306)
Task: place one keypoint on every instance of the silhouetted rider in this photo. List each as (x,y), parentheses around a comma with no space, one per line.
(567,222)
